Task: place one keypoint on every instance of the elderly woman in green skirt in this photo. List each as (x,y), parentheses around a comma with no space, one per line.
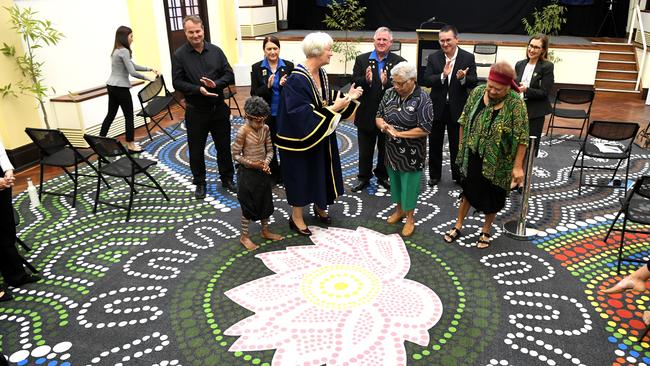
(493,141)
(405,115)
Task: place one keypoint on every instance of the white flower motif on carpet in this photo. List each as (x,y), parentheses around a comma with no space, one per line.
(341,301)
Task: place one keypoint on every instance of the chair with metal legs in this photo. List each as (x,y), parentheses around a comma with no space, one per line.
(635,208)
(56,150)
(606,140)
(116,161)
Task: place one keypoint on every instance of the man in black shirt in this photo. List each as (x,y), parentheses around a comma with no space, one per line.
(200,71)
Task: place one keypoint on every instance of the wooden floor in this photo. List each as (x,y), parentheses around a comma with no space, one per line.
(606,106)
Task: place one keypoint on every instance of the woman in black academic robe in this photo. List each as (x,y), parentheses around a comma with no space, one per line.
(307,118)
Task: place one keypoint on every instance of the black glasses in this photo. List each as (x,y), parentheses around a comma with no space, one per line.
(399,83)
(532,46)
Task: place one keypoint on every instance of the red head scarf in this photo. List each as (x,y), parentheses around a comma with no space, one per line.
(503,79)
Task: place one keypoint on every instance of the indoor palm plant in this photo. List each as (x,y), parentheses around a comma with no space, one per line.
(35,34)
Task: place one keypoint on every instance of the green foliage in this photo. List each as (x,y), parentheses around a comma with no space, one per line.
(548,21)
(347,16)
(35,33)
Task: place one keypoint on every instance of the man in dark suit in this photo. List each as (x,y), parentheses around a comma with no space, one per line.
(451,74)
(372,72)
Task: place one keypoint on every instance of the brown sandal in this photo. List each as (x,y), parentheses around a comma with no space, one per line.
(484,241)
(451,235)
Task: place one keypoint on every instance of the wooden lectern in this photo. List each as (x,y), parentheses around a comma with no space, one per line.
(427,36)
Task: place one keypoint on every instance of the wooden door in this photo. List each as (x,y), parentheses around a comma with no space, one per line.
(175,11)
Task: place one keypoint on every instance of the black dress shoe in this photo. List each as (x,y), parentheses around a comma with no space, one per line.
(432,182)
(229,185)
(199,193)
(384,183)
(327,220)
(294,227)
(24,279)
(361,185)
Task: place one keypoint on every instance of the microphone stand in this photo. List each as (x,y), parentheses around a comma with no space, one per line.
(610,13)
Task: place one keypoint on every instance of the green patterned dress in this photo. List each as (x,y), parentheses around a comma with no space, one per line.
(488,148)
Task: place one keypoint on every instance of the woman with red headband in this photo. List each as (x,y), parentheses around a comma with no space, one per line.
(493,141)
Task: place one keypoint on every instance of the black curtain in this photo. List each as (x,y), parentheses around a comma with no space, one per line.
(470,16)
(585,20)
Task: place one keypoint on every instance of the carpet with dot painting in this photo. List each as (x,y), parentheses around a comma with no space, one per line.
(174,287)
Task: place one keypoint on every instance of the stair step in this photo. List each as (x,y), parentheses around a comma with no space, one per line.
(617,91)
(619,85)
(618,80)
(615,75)
(617,71)
(614,46)
(604,56)
(610,43)
(617,65)
(617,52)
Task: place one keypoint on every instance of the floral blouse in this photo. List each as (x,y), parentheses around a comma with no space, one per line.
(406,155)
(494,138)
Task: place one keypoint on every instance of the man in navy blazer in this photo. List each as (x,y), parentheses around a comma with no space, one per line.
(451,74)
(372,73)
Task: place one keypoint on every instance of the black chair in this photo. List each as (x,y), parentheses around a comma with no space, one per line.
(579,97)
(396,47)
(485,54)
(643,139)
(153,104)
(606,140)
(56,150)
(116,161)
(636,209)
(22,244)
(229,94)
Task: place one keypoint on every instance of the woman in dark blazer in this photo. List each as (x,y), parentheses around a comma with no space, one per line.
(267,79)
(536,79)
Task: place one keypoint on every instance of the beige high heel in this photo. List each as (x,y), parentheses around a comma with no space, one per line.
(133,147)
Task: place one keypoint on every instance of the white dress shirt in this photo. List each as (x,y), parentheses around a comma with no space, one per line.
(5,164)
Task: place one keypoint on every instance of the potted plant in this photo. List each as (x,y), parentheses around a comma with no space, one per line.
(547,21)
(346,16)
(35,33)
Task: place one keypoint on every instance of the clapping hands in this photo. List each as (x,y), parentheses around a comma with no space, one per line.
(208,83)
(355,92)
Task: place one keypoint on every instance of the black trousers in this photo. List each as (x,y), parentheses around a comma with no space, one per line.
(535,127)
(273,129)
(367,141)
(119,97)
(11,266)
(200,122)
(436,139)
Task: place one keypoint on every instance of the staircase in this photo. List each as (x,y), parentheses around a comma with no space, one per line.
(617,68)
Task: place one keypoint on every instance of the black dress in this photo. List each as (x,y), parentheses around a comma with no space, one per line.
(478,190)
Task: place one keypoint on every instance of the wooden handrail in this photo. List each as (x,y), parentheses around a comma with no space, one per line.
(87,94)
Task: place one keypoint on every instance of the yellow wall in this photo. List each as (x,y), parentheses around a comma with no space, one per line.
(18,113)
(227,31)
(15,113)
(146,51)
